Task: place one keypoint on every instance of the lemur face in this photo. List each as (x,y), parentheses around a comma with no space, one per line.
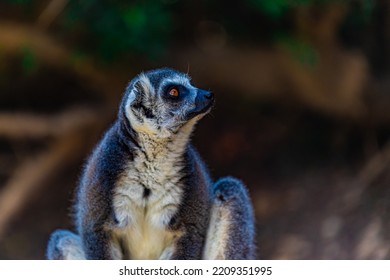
(161,102)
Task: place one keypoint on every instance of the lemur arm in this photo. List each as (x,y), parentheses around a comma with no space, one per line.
(96,244)
(231,230)
(94,213)
(94,219)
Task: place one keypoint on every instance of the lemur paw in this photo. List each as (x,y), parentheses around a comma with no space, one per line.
(64,245)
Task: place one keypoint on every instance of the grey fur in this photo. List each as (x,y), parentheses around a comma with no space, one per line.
(145,192)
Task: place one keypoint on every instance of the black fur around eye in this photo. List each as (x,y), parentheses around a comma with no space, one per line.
(175,92)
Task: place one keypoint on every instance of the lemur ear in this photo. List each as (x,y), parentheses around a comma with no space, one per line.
(140,90)
(145,86)
(132,96)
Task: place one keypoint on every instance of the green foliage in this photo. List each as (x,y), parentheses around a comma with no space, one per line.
(367,10)
(29,61)
(22,2)
(306,54)
(117,28)
(302,51)
(276,9)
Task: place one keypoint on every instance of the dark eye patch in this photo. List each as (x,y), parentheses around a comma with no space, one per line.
(182,90)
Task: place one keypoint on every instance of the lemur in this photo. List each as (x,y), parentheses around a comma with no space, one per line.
(145,192)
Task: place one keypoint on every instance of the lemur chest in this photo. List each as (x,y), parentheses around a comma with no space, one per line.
(146,198)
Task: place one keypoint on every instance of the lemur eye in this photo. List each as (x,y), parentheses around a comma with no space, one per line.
(174,92)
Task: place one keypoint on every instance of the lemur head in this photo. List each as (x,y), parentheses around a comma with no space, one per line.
(163,102)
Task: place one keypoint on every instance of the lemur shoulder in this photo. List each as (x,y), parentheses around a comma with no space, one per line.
(145,192)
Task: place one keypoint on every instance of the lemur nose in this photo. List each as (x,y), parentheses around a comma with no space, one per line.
(209,95)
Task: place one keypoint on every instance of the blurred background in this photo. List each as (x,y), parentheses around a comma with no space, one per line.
(302,113)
